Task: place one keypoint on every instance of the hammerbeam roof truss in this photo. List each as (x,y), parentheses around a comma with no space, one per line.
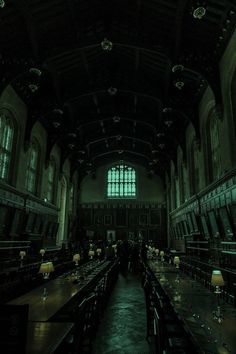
(120,103)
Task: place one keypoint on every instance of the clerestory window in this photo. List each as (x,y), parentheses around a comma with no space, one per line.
(6,144)
(121,182)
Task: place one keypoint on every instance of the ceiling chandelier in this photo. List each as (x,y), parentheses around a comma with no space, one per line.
(72,135)
(178,67)
(118,137)
(35,71)
(199,12)
(106,45)
(167,110)
(33,87)
(58,111)
(179,83)
(112,91)
(116,119)
(168,123)
(56,117)
(56,124)
(199,9)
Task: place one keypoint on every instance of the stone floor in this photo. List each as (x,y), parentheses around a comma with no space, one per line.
(123,327)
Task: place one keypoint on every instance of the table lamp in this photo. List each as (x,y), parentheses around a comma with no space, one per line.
(217,281)
(42,252)
(162,253)
(176,261)
(99,252)
(115,249)
(76,258)
(157,251)
(46,268)
(22,254)
(91,254)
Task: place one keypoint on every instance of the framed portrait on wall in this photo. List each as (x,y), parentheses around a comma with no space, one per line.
(143,219)
(155,217)
(194,221)
(30,222)
(185,227)
(121,218)
(98,218)
(133,218)
(232,213)
(213,223)
(107,219)
(189,222)
(226,223)
(205,227)
(17,222)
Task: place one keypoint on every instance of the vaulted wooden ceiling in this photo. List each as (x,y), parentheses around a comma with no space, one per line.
(108,86)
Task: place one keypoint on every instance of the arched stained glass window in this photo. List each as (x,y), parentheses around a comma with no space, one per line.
(32,167)
(215,148)
(6,144)
(121,182)
(51,177)
(71,202)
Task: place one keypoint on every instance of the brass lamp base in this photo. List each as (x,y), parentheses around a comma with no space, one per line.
(217,315)
(45,294)
(217,290)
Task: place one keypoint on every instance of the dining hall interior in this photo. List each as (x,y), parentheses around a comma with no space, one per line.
(118,176)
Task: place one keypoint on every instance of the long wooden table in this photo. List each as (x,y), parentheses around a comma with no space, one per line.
(46,337)
(195,305)
(59,292)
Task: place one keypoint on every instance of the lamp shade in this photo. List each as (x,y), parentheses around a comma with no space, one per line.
(162,253)
(176,260)
(76,257)
(42,252)
(22,254)
(99,251)
(91,253)
(216,278)
(157,251)
(46,267)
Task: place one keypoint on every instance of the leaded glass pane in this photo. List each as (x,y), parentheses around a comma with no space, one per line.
(51,173)
(30,182)
(121,182)
(49,192)
(6,141)
(4,165)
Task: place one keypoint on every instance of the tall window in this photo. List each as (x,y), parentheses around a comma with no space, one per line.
(32,167)
(121,182)
(215,148)
(194,167)
(71,198)
(6,144)
(51,177)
